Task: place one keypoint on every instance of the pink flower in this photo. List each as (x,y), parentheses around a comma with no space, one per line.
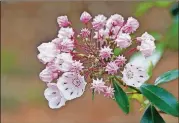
(47,52)
(63,21)
(101,35)
(131,25)
(64,45)
(123,40)
(145,36)
(109,92)
(85,33)
(112,68)
(147,47)
(72,85)
(99,22)
(105,52)
(85,17)
(98,85)
(63,62)
(115,20)
(47,76)
(76,66)
(54,96)
(134,75)
(66,33)
(120,60)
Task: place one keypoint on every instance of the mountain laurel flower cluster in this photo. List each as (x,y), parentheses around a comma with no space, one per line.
(75,58)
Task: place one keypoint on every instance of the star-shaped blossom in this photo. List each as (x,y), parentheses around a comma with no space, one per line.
(120,60)
(112,68)
(85,33)
(76,66)
(109,92)
(98,85)
(105,52)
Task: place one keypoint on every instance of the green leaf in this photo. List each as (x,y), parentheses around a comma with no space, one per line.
(117,51)
(168,76)
(142,8)
(150,68)
(161,98)
(151,115)
(121,97)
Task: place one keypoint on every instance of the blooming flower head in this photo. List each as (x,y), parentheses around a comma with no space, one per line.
(98,85)
(72,85)
(120,60)
(54,96)
(99,22)
(76,66)
(105,52)
(85,17)
(85,33)
(63,61)
(63,21)
(131,25)
(134,75)
(109,92)
(47,75)
(123,40)
(112,68)
(147,47)
(47,52)
(115,20)
(64,45)
(65,33)
(101,35)
(145,36)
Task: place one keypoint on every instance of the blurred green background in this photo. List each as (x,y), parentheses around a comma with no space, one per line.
(24,25)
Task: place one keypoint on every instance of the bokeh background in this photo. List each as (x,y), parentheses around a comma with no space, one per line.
(25,25)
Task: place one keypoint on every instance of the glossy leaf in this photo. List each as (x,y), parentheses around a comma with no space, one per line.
(161,98)
(168,76)
(151,115)
(117,51)
(121,97)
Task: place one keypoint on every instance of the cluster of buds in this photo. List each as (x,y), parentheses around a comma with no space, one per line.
(73,57)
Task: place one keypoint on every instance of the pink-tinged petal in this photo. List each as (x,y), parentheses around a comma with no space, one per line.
(105,52)
(85,17)
(63,21)
(120,60)
(109,92)
(123,40)
(112,68)
(115,20)
(98,85)
(99,22)
(131,25)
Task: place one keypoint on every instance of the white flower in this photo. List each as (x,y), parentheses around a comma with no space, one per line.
(147,47)
(65,33)
(47,52)
(85,17)
(109,92)
(146,36)
(54,96)
(64,45)
(123,40)
(47,75)
(98,85)
(131,25)
(72,85)
(99,22)
(134,75)
(115,20)
(63,61)
(105,52)
(63,21)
